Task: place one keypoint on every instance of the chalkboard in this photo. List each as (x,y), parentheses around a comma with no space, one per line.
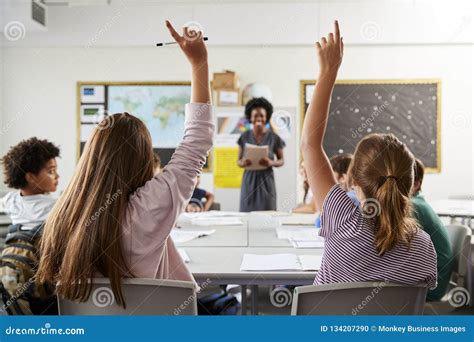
(411,110)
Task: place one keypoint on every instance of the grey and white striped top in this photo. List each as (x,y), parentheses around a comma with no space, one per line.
(350,254)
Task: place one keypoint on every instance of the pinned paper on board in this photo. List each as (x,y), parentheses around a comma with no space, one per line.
(227,174)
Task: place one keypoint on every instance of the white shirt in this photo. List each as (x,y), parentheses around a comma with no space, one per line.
(27,210)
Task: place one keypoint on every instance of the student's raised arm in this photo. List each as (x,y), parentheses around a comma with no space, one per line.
(319,172)
(156,206)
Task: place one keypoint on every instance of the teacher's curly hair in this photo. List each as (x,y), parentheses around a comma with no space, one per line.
(258,102)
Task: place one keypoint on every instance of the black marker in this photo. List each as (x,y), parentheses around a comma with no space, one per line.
(171,43)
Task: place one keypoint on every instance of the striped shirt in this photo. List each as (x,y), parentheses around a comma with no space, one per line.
(350,254)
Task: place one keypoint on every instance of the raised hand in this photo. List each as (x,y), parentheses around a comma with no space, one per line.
(330,51)
(191,43)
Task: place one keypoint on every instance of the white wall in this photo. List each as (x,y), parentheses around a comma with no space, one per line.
(39,82)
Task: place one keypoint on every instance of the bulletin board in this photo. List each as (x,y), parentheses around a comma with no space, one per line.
(160,105)
(410,109)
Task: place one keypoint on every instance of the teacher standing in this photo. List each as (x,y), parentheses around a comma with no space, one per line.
(258,191)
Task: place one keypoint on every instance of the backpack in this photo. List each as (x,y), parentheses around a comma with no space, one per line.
(18,265)
(221,303)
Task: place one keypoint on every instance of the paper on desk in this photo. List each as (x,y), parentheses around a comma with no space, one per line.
(280,262)
(272,213)
(298,219)
(310,262)
(216,221)
(184,255)
(298,233)
(255,153)
(179,235)
(308,244)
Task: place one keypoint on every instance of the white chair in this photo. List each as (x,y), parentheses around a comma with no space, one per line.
(359,298)
(142,297)
(460,238)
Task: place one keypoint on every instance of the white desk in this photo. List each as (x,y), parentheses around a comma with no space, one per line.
(454,208)
(216,259)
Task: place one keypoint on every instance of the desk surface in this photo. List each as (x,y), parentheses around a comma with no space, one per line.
(454,208)
(217,258)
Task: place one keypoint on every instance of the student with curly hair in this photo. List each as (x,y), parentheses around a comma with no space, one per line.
(258,191)
(31,168)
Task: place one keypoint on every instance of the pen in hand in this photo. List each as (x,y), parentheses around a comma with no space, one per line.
(171,43)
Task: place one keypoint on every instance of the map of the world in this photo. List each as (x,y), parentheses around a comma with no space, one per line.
(161,107)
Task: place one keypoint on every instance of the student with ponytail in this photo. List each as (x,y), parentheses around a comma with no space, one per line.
(378,240)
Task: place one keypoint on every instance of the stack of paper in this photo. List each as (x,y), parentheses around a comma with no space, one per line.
(180,235)
(184,255)
(216,221)
(301,237)
(297,233)
(255,153)
(280,262)
(298,220)
(308,244)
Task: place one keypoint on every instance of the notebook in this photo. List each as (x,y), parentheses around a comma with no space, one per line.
(280,262)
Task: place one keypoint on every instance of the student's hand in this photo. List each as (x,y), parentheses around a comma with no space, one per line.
(265,162)
(330,51)
(191,43)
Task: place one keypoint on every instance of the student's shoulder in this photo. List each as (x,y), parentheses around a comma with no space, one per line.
(421,240)
(10,197)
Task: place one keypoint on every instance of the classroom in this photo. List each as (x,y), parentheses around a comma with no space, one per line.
(237,158)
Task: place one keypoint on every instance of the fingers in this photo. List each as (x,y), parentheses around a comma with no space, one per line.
(324,42)
(331,38)
(318,46)
(337,32)
(173,32)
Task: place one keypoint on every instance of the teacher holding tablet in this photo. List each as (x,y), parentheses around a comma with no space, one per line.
(260,150)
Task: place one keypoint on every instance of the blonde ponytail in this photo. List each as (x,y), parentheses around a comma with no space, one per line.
(394,222)
(383,168)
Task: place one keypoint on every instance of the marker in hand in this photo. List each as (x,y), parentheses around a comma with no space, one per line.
(171,43)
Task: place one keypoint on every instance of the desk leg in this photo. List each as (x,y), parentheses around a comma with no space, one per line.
(255,300)
(243,291)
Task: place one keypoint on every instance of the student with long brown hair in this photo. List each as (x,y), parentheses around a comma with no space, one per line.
(115,216)
(379,241)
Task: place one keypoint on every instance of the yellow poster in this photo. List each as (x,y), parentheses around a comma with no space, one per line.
(226,172)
